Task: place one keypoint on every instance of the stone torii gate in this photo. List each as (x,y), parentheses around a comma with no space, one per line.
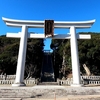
(23,35)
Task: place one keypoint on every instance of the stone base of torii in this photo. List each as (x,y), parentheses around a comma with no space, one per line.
(24,35)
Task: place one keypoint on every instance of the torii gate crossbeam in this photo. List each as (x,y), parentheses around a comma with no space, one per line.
(23,35)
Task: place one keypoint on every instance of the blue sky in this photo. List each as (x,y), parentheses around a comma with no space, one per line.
(58,10)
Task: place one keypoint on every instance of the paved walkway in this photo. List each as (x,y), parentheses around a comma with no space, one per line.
(47,69)
(49,93)
(89,97)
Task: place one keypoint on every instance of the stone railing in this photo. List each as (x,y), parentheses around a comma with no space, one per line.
(8,82)
(10,77)
(94,82)
(91,77)
(7,77)
(2,82)
(64,82)
(2,77)
(86,80)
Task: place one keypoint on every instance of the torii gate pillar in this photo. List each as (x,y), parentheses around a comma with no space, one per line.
(21,58)
(25,24)
(75,58)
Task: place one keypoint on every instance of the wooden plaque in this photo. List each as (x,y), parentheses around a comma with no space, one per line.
(49,27)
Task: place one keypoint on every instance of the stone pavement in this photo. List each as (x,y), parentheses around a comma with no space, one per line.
(48,92)
(88,97)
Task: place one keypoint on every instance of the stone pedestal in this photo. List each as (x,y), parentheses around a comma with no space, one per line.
(77,85)
(19,84)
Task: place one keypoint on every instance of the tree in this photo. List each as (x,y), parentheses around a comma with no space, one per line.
(8,55)
(9,48)
(89,51)
(62,57)
(34,58)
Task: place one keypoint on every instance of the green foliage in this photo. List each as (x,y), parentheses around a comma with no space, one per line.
(62,57)
(89,53)
(9,48)
(8,54)
(34,57)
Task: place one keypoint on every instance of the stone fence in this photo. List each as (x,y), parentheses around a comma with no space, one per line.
(66,82)
(9,79)
(8,82)
(91,77)
(12,77)
(86,80)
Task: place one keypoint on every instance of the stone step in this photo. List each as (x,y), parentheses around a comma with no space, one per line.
(48,83)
